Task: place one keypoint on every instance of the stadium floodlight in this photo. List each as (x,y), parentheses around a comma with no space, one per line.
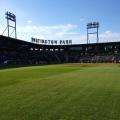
(10,17)
(92,25)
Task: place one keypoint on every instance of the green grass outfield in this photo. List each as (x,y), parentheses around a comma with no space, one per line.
(61,92)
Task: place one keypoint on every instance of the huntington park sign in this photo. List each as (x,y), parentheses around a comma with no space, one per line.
(51,42)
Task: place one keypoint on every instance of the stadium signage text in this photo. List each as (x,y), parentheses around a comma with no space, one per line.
(51,42)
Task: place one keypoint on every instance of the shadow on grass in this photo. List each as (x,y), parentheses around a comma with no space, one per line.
(68,64)
(17,66)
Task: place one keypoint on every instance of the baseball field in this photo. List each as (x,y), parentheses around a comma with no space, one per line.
(60,92)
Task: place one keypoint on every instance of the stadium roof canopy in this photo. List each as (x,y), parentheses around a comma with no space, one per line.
(16,44)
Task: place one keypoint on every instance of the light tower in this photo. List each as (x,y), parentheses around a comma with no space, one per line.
(92,25)
(10,18)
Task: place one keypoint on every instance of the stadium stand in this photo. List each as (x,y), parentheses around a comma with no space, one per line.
(19,52)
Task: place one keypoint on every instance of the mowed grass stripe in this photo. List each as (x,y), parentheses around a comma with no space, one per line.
(17,75)
(78,92)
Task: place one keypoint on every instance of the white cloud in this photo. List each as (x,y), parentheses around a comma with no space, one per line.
(67,31)
(29,21)
(109,36)
(82,19)
(49,32)
(39,36)
(108,32)
(33,28)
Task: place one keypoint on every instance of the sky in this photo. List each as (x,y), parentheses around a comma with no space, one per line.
(63,19)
